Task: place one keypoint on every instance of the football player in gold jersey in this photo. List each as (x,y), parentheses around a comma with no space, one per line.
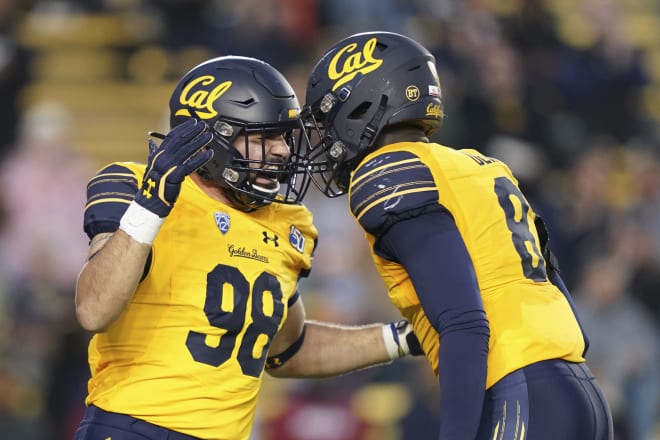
(461,251)
(194,260)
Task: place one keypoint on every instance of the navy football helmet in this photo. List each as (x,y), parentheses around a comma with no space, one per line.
(239,96)
(365,83)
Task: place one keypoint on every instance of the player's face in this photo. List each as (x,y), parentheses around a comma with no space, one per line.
(265,151)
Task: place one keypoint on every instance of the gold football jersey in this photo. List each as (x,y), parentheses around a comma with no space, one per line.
(530,319)
(188,352)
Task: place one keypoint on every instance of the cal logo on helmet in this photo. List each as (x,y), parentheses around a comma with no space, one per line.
(348,62)
(200,94)
(434,110)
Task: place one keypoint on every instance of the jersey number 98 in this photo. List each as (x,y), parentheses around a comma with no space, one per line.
(228,280)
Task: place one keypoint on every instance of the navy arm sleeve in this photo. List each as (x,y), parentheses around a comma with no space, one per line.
(395,197)
(433,253)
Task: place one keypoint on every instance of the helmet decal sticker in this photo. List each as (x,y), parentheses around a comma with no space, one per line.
(412,93)
(434,72)
(201,99)
(352,63)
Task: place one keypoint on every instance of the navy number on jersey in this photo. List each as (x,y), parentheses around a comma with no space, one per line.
(515,209)
(267,312)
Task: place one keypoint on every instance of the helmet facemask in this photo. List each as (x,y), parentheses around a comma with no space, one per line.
(255,180)
(329,160)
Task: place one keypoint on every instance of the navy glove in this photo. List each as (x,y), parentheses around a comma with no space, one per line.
(178,155)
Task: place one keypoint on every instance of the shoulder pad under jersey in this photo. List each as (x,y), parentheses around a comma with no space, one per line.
(109,193)
(390,184)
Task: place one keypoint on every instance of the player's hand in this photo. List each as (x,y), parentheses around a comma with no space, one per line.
(400,340)
(179,154)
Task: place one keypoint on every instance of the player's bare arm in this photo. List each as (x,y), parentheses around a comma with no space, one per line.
(116,261)
(325,349)
(108,279)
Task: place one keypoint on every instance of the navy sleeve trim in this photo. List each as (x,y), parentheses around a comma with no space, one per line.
(280,359)
(294,298)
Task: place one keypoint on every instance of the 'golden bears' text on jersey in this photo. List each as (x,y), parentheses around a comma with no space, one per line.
(188,352)
(530,319)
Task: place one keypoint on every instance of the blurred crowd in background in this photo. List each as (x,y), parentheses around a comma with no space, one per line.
(567,92)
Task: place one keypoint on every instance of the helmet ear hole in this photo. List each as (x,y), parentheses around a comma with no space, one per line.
(360,110)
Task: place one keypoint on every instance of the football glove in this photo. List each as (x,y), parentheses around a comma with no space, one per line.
(400,340)
(179,154)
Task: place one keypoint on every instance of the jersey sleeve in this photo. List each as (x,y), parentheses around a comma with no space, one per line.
(391,186)
(304,273)
(108,196)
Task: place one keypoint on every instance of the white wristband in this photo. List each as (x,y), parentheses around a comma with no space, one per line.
(140,223)
(392,345)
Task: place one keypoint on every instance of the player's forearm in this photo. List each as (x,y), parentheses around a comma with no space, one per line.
(108,280)
(330,350)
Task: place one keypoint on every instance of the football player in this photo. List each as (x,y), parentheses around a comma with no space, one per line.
(460,248)
(194,259)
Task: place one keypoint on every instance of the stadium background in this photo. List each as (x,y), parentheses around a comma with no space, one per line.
(566,91)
